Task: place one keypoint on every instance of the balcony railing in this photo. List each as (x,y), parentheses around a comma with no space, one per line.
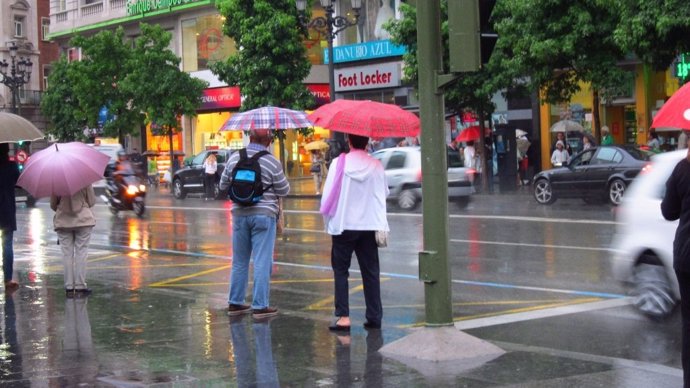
(92,9)
(117,4)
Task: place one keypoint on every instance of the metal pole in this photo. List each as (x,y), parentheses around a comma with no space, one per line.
(337,137)
(434,270)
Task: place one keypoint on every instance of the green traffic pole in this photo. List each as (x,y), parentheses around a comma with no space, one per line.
(434,270)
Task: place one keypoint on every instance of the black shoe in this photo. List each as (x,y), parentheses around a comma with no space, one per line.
(371,325)
(334,326)
(81,292)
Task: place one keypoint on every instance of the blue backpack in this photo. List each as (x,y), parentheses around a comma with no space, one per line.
(246,187)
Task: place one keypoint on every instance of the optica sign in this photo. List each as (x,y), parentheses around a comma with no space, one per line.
(221,98)
(384,75)
(138,7)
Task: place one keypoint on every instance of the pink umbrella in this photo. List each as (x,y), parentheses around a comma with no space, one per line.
(62,169)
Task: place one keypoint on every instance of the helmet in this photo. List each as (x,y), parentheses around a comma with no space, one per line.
(121,155)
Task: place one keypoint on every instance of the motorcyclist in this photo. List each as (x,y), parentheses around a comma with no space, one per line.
(123,168)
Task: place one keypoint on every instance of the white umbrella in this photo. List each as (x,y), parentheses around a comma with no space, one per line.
(567,126)
(15,128)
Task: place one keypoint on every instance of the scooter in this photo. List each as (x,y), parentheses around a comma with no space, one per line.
(127,194)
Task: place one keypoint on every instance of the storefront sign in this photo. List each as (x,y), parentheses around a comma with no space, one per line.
(221,98)
(366,50)
(138,7)
(321,93)
(383,75)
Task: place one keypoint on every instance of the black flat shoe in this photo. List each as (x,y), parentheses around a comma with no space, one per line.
(336,327)
(369,325)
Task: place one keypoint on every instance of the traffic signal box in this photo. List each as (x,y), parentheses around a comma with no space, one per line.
(471,39)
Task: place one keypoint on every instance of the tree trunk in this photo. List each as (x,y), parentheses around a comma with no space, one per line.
(596,124)
(486,174)
(172,152)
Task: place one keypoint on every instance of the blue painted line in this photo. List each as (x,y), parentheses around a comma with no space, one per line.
(389,274)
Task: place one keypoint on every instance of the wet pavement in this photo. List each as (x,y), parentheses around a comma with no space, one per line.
(149,322)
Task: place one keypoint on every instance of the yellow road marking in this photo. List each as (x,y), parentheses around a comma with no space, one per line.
(514,311)
(272,282)
(177,279)
(487,303)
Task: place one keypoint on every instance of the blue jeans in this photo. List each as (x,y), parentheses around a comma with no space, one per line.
(252,236)
(7,255)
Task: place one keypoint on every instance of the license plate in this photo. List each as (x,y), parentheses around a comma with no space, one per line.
(21,198)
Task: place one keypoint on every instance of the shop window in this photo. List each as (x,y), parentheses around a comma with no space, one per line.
(203,42)
(372,16)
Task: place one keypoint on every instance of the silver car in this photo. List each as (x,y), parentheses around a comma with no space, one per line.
(403,167)
(643,243)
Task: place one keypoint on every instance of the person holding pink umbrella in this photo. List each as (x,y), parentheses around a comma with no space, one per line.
(73,223)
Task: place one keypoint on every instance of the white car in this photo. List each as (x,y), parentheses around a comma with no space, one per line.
(403,168)
(643,243)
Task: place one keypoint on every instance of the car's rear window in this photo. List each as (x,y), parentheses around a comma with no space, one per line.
(639,154)
(454,159)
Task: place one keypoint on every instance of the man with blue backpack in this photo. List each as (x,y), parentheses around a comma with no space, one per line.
(254,180)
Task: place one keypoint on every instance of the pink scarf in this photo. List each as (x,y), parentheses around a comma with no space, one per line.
(330,205)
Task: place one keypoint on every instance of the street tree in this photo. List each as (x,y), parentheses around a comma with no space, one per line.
(157,85)
(552,49)
(59,104)
(106,60)
(657,32)
(471,91)
(271,61)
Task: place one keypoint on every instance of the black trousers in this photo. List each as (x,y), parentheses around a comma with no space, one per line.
(684,286)
(209,181)
(363,244)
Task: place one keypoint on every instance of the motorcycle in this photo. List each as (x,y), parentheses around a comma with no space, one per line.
(127,193)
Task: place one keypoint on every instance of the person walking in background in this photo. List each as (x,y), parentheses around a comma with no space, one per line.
(73,222)
(606,138)
(586,144)
(676,206)
(152,170)
(653,142)
(318,169)
(9,174)
(254,230)
(354,208)
(210,168)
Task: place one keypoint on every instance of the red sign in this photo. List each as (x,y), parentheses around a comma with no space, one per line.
(321,92)
(221,98)
(22,156)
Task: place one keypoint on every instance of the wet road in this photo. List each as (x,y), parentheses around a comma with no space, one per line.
(161,286)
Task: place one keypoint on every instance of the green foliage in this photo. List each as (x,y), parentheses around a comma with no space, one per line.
(59,104)
(106,62)
(271,60)
(550,47)
(656,31)
(469,91)
(139,82)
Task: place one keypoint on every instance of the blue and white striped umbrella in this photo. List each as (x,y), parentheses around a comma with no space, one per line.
(267,117)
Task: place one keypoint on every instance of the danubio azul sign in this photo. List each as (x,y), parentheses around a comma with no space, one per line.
(366,50)
(138,7)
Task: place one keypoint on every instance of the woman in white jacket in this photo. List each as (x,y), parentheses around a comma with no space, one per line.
(354,208)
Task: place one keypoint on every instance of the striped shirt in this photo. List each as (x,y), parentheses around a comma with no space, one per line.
(272,176)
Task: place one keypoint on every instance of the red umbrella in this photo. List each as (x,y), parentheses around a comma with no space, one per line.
(366,118)
(469,134)
(676,111)
(62,169)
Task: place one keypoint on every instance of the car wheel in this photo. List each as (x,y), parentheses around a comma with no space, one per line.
(543,192)
(407,200)
(30,201)
(216,190)
(616,191)
(652,291)
(178,189)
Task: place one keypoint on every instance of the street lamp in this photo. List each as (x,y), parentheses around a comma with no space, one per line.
(330,26)
(20,74)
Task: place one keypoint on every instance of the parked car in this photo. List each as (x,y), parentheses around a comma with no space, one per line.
(190,178)
(595,174)
(643,243)
(403,168)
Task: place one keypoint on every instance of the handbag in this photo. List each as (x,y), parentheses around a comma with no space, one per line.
(381,238)
(315,168)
